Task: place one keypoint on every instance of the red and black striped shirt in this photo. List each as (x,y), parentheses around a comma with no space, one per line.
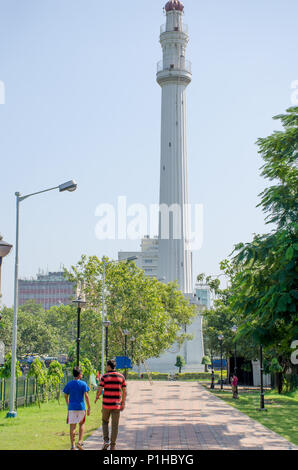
(112,382)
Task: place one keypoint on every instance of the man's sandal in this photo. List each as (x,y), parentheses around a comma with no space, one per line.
(81,446)
(105,446)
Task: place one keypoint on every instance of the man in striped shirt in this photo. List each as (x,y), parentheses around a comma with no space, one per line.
(113,401)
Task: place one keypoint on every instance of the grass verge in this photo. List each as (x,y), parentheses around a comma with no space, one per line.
(281,415)
(44,428)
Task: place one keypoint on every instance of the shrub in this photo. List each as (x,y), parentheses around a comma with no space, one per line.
(199,375)
(154,376)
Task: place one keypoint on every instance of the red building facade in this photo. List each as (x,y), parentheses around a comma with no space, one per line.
(47,290)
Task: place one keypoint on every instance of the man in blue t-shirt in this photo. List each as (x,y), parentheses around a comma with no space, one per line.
(76,392)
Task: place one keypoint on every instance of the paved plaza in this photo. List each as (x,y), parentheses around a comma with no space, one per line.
(183,415)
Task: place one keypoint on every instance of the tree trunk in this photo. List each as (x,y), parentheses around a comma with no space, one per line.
(279,381)
(37,394)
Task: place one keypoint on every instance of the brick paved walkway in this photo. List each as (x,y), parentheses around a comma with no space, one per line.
(183,415)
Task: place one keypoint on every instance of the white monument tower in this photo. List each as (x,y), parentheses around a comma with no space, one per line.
(174,75)
(175,262)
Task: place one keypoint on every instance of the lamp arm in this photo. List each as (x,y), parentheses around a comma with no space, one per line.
(21,198)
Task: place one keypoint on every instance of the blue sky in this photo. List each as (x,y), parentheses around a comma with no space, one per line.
(82,102)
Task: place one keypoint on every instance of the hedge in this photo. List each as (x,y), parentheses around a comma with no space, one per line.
(200,375)
(154,376)
(183,376)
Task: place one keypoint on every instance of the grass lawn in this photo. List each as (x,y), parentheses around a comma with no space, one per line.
(44,428)
(281,415)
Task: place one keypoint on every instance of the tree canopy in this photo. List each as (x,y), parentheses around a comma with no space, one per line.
(153,312)
(261,299)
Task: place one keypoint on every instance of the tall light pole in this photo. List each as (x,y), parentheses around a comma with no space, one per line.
(220,337)
(68,186)
(104,265)
(5,249)
(132,339)
(212,371)
(80,304)
(262,401)
(126,332)
(234,329)
(107,324)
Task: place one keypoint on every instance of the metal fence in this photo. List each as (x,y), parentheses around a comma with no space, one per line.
(25,390)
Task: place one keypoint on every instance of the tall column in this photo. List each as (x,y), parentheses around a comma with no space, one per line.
(174,75)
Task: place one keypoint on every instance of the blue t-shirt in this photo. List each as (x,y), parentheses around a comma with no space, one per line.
(76,390)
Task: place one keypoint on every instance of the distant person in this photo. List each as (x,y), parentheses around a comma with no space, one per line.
(76,392)
(113,402)
(235,386)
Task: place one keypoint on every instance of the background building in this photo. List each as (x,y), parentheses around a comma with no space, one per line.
(203,295)
(147,257)
(47,290)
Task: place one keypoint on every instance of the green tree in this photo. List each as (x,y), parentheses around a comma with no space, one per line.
(5,371)
(180,362)
(153,312)
(34,334)
(221,318)
(206,361)
(6,327)
(55,375)
(63,320)
(264,286)
(87,369)
(39,372)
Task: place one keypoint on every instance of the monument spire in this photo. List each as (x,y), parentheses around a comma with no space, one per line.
(174,75)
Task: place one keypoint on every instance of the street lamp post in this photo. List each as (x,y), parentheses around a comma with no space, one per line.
(4,251)
(262,401)
(68,186)
(132,339)
(220,337)
(126,332)
(107,324)
(234,329)
(104,265)
(212,371)
(80,304)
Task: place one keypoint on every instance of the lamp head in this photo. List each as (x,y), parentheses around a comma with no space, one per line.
(4,247)
(80,302)
(68,186)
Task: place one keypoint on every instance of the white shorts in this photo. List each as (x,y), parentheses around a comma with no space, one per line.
(76,417)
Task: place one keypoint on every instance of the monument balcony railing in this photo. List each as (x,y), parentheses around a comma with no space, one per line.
(184,65)
(183,28)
